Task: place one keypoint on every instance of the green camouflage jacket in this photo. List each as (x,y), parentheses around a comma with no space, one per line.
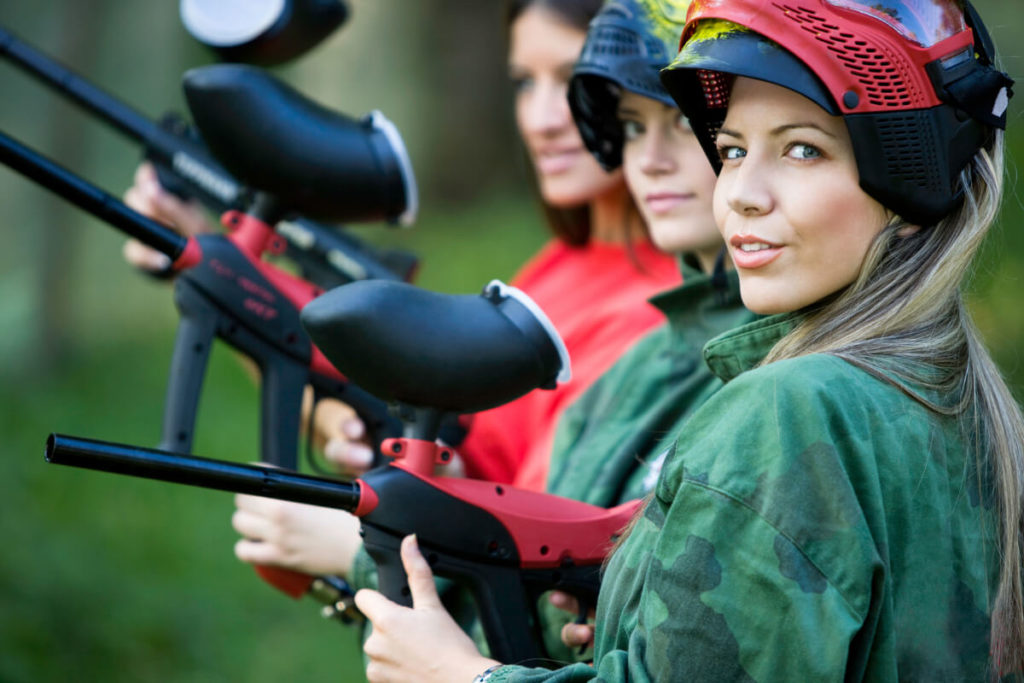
(611,442)
(816,522)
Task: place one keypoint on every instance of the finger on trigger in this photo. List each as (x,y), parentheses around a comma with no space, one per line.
(421,578)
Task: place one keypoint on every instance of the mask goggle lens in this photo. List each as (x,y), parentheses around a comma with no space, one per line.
(926,22)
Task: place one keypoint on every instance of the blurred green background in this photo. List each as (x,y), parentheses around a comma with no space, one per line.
(107,578)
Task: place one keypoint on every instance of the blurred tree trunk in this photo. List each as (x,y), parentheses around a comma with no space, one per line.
(59,227)
(473,146)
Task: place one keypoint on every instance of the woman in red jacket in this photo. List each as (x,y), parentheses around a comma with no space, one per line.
(594,277)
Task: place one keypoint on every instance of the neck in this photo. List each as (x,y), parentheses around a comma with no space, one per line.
(707,258)
(613,218)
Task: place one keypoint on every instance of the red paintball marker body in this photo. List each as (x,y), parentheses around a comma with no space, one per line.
(507,546)
(234,294)
(226,289)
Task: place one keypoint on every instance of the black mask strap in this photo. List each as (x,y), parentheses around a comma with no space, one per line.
(974,85)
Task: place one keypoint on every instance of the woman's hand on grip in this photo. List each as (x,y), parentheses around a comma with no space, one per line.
(305,538)
(420,643)
(151,200)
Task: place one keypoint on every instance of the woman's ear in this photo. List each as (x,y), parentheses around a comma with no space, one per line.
(907,231)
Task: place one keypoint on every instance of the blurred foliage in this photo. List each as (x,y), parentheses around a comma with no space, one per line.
(106,578)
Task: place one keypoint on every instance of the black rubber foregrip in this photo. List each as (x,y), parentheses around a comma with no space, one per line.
(196,329)
(283,383)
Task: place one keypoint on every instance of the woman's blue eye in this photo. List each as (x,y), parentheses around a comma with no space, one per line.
(803,151)
(631,130)
(731,152)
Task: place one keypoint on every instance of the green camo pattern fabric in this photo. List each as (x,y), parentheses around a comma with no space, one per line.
(611,442)
(815,523)
(608,438)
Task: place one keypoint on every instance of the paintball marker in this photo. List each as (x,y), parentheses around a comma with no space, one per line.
(326,256)
(263,32)
(506,545)
(301,157)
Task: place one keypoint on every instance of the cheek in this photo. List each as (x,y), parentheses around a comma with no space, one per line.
(854,217)
(848,247)
(584,183)
(839,223)
(521,112)
(720,202)
(635,178)
(701,173)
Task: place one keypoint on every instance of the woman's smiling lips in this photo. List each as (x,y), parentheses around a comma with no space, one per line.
(751,251)
(555,160)
(661,203)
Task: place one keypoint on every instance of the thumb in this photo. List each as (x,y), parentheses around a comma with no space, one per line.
(421,579)
(372,604)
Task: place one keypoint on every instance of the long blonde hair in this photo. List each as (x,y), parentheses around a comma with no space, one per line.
(908,303)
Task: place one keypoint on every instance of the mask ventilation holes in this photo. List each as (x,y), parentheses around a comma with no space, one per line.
(716,89)
(622,50)
(611,41)
(909,155)
(876,71)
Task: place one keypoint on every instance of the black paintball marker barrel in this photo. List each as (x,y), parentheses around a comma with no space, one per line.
(49,72)
(326,254)
(186,156)
(150,463)
(90,198)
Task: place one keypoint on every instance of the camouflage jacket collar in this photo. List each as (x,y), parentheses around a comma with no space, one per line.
(700,299)
(741,349)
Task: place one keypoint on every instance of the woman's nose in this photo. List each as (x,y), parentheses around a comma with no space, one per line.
(547,111)
(656,155)
(748,191)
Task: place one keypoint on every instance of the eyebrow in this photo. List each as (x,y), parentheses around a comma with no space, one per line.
(565,68)
(780,130)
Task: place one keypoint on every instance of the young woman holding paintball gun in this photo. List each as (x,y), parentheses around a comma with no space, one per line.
(848,505)
(593,277)
(592,281)
(611,442)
